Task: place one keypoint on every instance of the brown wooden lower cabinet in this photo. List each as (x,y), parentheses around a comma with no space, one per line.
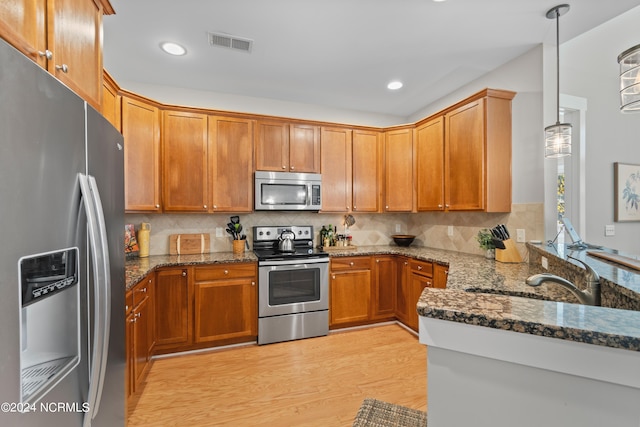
(349,291)
(173,295)
(140,338)
(204,306)
(385,271)
(225,303)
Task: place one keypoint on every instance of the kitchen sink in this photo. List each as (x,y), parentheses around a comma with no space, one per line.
(509,293)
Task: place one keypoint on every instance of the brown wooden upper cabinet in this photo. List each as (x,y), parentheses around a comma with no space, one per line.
(62,36)
(207,163)
(111,102)
(141,132)
(398,194)
(463,157)
(367,170)
(351,170)
(336,169)
(230,164)
(287,147)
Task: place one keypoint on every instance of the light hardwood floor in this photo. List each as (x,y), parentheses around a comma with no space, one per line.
(313,382)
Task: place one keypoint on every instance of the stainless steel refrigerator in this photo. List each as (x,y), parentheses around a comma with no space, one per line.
(62,328)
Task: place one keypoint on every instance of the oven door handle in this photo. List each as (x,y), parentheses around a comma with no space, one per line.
(294,262)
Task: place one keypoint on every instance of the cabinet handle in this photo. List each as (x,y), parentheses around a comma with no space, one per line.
(205,206)
(253,283)
(64,68)
(419,267)
(184,273)
(284,167)
(126,308)
(133,320)
(429,285)
(386,207)
(157,206)
(446,206)
(406,263)
(46,54)
(377,260)
(137,315)
(215,206)
(440,206)
(354,208)
(333,277)
(292,168)
(351,263)
(226,272)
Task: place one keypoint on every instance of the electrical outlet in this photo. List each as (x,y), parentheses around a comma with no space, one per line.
(610,230)
(398,228)
(520,236)
(450,230)
(219,232)
(545,263)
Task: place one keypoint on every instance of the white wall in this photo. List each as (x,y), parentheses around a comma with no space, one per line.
(589,69)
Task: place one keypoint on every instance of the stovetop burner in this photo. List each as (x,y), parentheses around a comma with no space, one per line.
(266,239)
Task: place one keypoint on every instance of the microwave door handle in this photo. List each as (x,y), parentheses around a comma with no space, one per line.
(102,302)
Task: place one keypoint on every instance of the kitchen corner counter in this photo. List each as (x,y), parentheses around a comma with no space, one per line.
(549,311)
(137,268)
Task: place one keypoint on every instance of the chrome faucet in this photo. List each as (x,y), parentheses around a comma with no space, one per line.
(591,296)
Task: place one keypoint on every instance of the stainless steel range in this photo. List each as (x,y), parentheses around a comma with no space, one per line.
(293,284)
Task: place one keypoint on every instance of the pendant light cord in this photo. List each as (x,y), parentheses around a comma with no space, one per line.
(558,65)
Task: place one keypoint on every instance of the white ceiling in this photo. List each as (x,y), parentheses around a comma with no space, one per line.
(335,53)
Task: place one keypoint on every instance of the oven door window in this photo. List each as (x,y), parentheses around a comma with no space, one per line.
(294,286)
(283,194)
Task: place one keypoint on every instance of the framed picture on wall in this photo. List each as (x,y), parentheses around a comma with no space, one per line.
(626,182)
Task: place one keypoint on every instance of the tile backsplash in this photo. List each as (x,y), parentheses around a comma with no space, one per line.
(431,228)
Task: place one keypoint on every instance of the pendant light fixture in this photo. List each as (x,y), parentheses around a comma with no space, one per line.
(629,61)
(557,138)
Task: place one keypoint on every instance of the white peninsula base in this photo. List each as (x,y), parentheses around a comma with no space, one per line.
(479,376)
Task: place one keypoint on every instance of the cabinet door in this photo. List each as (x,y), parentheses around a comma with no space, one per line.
(225,309)
(75,38)
(231,164)
(440,274)
(272,146)
(402,290)
(465,157)
(22,23)
(417,283)
(366,173)
(384,287)
(172,297)
(141,328)
(141,132)
(336,169)
(304,148)
(185,177)
(350,295)
(429,157)
(399,171)
(111,102)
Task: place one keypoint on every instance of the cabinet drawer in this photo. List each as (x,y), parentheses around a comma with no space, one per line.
(140,292)
(128,301)
(421,267)
(350,263)
(225,271)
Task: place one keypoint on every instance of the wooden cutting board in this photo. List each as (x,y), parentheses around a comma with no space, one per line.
(618,259)
(189,244)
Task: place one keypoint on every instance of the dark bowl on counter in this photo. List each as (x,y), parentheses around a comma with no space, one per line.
(403,239)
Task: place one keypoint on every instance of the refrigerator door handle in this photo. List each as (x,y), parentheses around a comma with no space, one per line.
(102,299)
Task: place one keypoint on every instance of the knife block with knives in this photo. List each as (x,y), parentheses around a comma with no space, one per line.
(506,250)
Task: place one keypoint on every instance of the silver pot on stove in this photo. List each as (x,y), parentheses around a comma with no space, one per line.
(286,239)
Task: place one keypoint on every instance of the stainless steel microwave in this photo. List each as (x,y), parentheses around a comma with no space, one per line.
(288,191)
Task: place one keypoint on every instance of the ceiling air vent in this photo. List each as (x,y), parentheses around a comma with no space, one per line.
(230,42)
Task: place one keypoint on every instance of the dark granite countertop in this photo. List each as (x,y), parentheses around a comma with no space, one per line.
(490,302)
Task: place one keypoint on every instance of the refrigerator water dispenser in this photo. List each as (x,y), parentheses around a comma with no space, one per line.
(49,320)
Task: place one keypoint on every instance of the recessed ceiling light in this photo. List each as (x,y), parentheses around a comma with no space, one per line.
(394,85)
(173,48)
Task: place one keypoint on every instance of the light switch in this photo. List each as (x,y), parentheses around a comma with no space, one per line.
(450,230)
(219,232)
(520,235)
